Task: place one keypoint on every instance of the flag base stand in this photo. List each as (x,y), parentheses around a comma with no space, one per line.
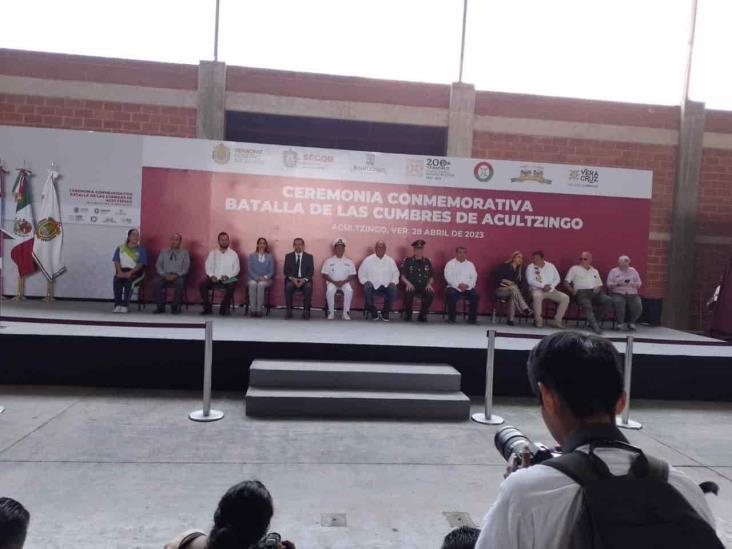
(213,415)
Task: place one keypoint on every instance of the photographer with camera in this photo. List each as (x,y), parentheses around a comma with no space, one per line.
(240,522)
(601,492)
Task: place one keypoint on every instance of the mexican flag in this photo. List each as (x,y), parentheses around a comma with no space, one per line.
(49,234)
(22,252)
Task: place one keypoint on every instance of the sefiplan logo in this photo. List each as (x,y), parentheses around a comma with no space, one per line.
(221,154)
(483,171)
(289,158)
(531,174)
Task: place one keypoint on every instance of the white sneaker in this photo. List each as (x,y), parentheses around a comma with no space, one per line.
(331,315)
(346,316)
(631,327)
(116,309)
(123,309)
(620,327)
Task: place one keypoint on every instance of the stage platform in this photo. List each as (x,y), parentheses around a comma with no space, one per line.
(73,342)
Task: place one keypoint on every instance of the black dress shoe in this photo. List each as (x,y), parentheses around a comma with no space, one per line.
(175,310)
(288,314)
(159,311)
(225,312)
(408,318)
(306,315)
(510,323)
(422,318)
(206,311)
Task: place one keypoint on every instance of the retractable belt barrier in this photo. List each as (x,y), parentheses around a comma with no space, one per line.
(205,414)
(487,417)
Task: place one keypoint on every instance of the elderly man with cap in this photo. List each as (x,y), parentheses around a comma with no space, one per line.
(623,283)
(418,276)
(338,272)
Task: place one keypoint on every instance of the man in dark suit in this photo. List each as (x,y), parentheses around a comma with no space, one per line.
(298,277)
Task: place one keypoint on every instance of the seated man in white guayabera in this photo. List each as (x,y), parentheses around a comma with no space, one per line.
(543,279)
(338,271)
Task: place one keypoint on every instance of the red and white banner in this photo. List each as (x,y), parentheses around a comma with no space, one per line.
(199,188)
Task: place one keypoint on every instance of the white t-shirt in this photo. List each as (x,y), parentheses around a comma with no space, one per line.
(539,506)
(583,279)
(338,268)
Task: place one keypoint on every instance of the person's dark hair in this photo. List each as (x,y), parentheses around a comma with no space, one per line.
(222,233)
(539,253)
(463,537)
(242,517)
(129,233)
(584,370)
(461,248)
(298,238)
(266,244)
(14,520)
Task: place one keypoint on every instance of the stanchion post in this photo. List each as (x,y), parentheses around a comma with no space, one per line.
(624,420)
(487,417)
(206,413)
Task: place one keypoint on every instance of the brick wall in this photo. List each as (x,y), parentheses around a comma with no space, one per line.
(659,158)
(340,88)
(80,114)
(575,110)
(714,220)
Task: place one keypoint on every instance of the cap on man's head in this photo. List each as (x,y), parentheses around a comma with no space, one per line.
(418,244)
(339,242)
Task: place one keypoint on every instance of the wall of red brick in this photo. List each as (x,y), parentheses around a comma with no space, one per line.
(575,110)
(659,158)
(80,114)
(98,69)
(340,88)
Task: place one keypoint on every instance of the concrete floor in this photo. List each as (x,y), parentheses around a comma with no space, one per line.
(123,469)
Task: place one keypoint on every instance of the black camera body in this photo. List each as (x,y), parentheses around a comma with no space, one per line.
(271,541)
(510,442)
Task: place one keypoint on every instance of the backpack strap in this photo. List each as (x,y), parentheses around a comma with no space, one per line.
(584,468)
(578,466)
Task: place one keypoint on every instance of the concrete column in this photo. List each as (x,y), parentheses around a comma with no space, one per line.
(211,114)
(461,120)
(682,250)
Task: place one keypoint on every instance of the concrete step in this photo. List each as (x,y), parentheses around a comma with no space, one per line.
(270,402)
(354,375)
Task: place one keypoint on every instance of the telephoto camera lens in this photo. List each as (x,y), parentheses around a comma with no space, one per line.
(509,440)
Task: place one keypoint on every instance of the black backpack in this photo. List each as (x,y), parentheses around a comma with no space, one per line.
(637,510)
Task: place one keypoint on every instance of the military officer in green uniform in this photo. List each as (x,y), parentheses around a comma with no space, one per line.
(417,275)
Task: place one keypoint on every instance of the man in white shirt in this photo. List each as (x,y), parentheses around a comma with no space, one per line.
(584,282)
(461,278)
(379,274)
(338,271)
(222,269)
(543,279)
(579,381)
